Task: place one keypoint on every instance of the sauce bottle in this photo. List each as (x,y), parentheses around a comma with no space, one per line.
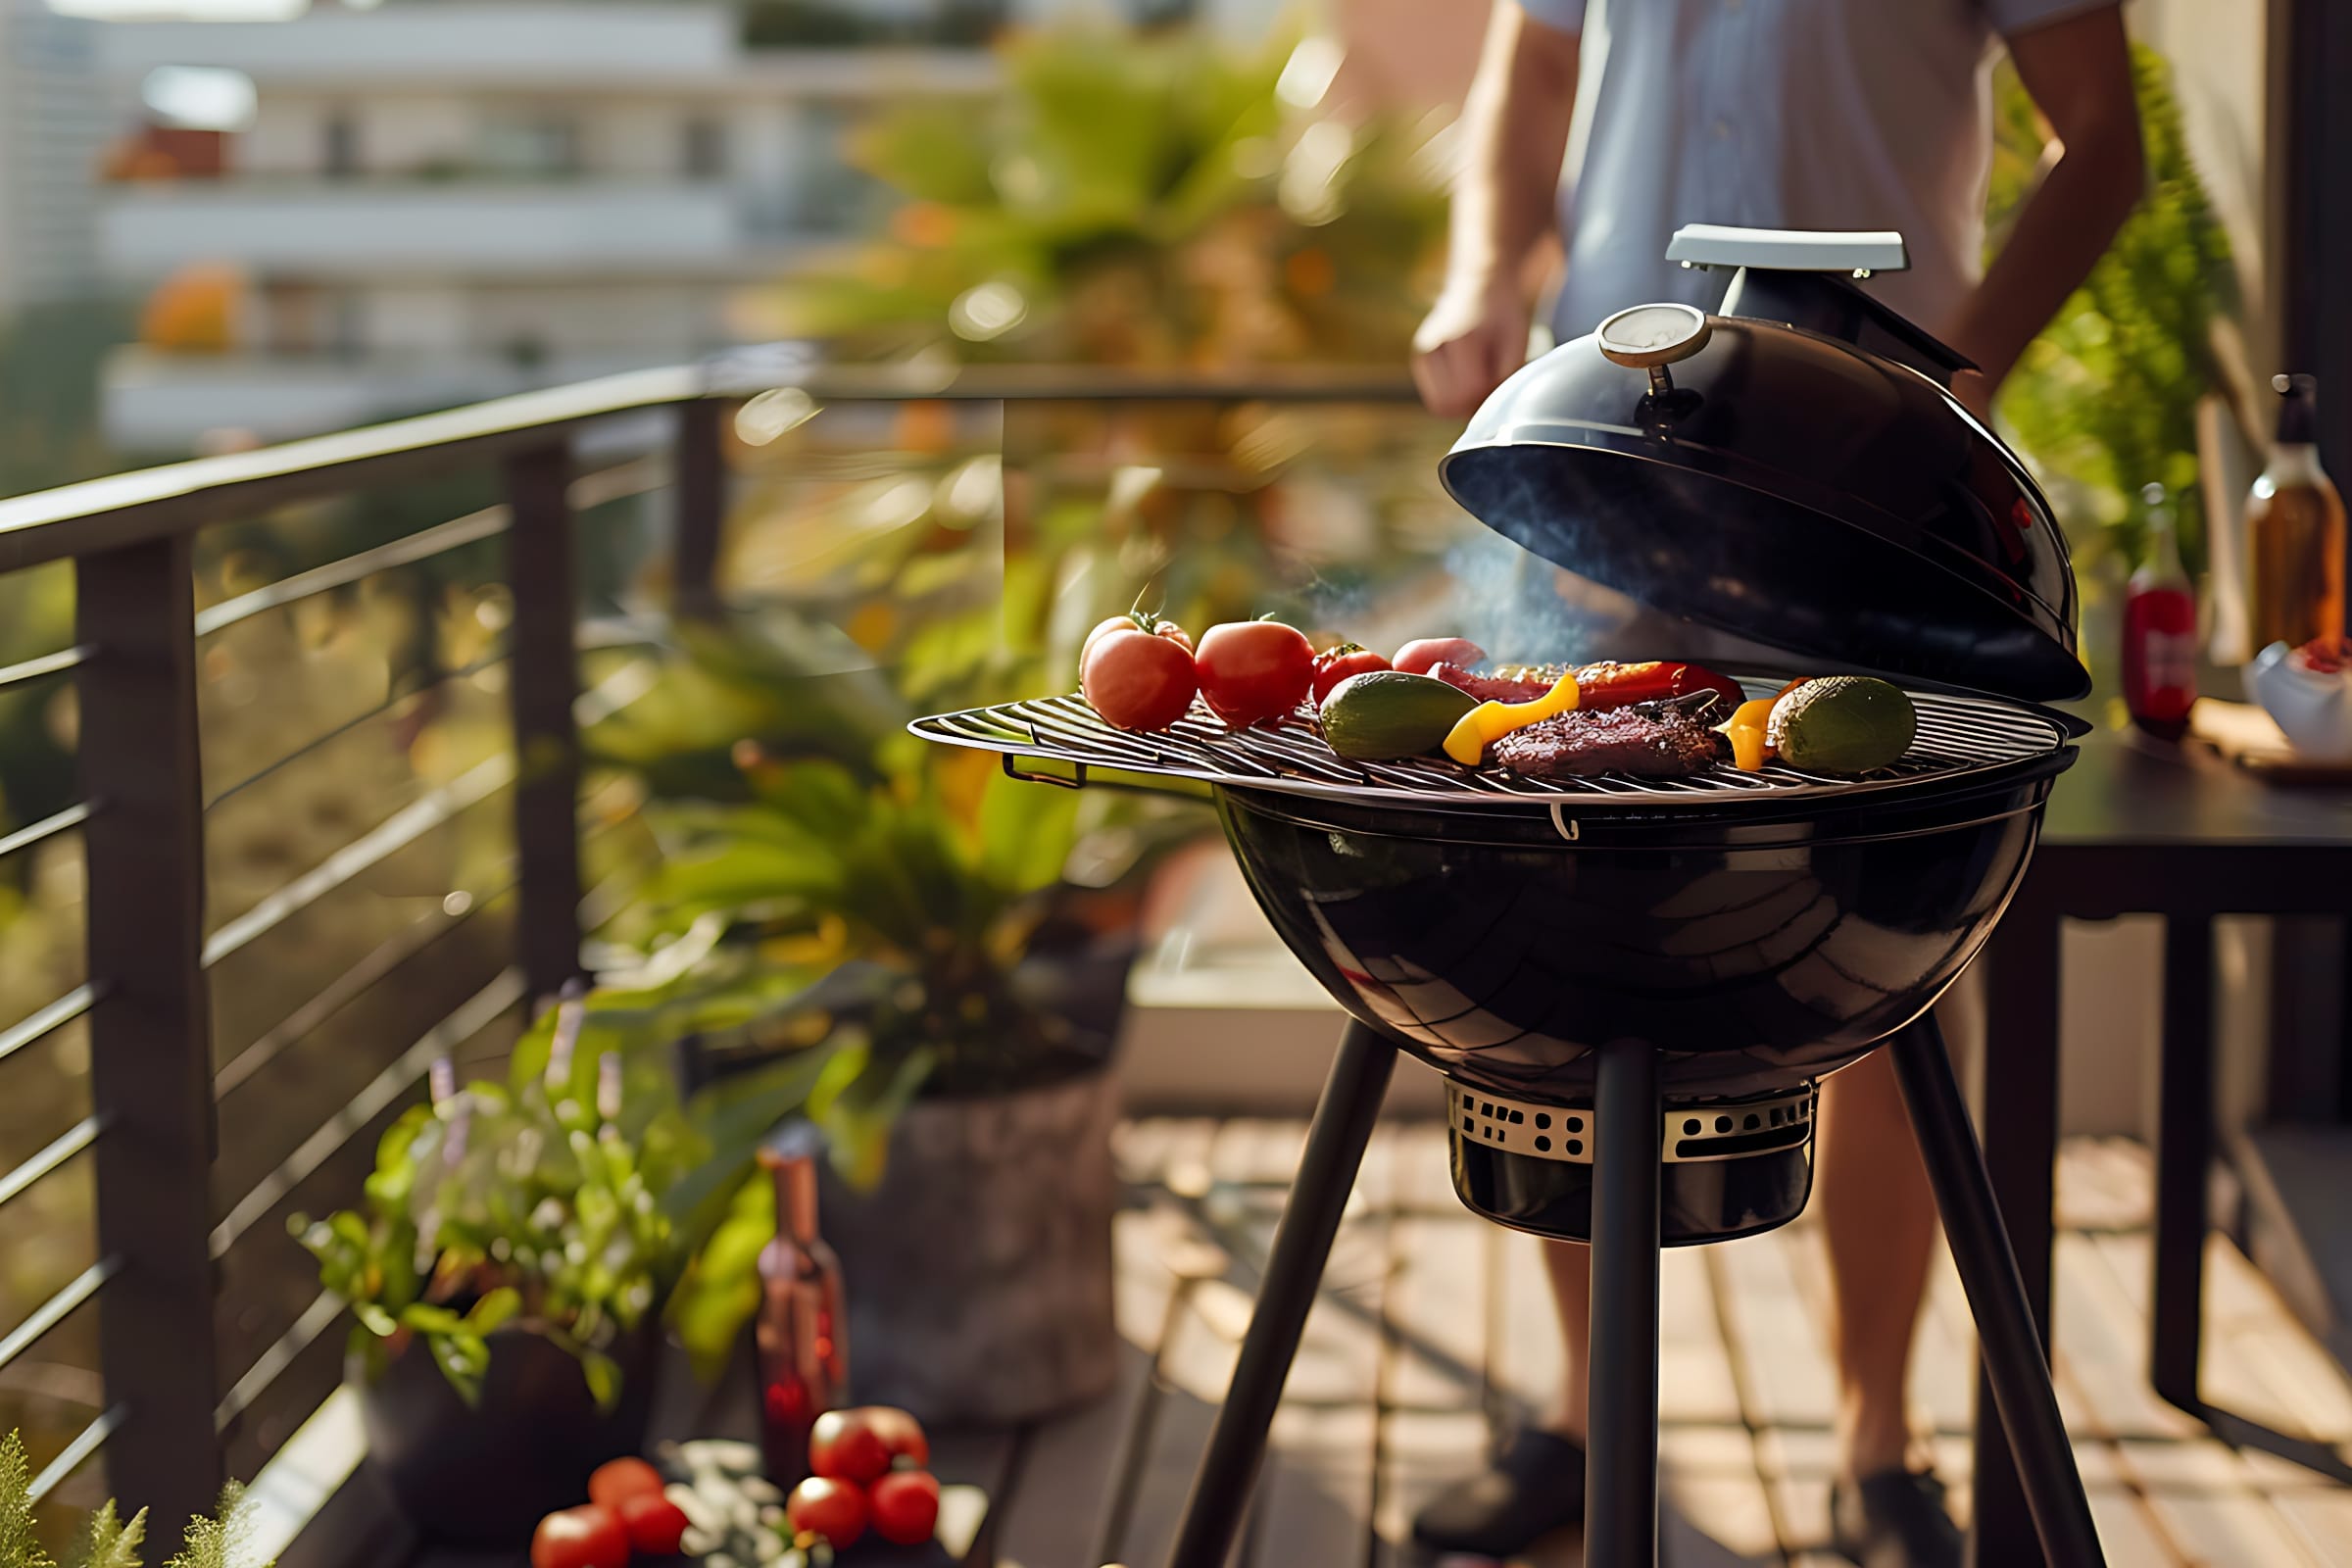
(2160,630)
(798,1334)
(2295,530)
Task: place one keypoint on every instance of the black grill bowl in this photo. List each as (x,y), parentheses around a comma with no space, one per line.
(1755,951)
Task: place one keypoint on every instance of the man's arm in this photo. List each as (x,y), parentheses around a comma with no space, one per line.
(2078,71)
(1515,134)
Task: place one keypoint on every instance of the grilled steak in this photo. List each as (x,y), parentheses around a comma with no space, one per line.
(1651,741)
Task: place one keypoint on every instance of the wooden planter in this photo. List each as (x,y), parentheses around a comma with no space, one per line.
(485,1474)
(979,1272)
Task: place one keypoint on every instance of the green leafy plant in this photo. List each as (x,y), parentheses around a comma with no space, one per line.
(538,1204)
(219,1540)
(1136,198)
(2104,401)
(859,874)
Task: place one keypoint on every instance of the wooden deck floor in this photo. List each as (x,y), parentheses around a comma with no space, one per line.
(1434,1326)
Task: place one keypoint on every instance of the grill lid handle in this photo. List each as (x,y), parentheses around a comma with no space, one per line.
(1859,252)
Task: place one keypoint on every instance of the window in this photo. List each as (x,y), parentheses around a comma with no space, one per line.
(341,153)
(706,155)
(530,145)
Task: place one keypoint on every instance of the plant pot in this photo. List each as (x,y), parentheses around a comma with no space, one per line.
(486,1474)
(979,1272)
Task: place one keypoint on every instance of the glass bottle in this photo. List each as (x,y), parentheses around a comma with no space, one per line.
(799,1336)
(2295,530)
(2160,630)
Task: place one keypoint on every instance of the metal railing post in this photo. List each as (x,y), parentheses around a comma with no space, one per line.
(151,1070)
(546,682)
(700,479)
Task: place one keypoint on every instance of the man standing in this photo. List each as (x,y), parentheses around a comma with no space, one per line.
(1794,115)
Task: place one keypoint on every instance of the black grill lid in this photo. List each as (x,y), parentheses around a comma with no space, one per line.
(1810,486)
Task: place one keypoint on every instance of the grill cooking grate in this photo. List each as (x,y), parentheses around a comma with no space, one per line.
(1957,736)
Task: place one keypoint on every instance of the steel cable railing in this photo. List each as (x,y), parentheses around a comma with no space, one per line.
(150,1130)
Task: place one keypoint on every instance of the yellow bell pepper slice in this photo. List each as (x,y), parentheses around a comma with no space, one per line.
(1747,729)
(1488,722)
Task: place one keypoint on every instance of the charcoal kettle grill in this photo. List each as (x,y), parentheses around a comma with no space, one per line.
(1634,986)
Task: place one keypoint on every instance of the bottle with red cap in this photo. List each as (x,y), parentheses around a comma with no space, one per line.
(2160,630)
(800,1332)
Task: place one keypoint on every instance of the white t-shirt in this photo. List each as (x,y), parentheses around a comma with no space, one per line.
(1782,114)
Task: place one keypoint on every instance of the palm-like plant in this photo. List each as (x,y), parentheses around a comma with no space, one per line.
(1135,199)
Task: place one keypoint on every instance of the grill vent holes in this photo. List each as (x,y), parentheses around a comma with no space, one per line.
(1735,1131)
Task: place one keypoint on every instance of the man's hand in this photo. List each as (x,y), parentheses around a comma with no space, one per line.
(1514,131)
(1473,339)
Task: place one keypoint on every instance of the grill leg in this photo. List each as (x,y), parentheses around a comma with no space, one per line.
(1996,1298)
(1334,1147)
(1621,1451)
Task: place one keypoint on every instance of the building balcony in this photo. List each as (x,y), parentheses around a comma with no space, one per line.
(389,229)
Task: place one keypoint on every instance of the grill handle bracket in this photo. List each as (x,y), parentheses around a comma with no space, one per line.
(1076,781)
(1565,825)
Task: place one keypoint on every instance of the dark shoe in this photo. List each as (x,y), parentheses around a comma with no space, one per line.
(1894,1519)
(1535,1486)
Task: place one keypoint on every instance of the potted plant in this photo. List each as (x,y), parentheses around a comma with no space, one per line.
(956,944)
(507,1270)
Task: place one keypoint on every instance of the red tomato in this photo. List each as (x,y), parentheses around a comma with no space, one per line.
(1254,671)
(1348,658)
(586,1536)
(906,1506)
(844,1446)
(1141,620)
(901,1433)
(822,1506)
(655,1525)
(1137,680)
(1418,656)
(622,1478)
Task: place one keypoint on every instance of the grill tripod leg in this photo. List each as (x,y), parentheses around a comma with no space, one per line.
(1334,1147)
(2014,1363)
(1620,1450)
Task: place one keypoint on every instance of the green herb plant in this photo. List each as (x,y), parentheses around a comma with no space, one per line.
(536,1204)
(219,1540)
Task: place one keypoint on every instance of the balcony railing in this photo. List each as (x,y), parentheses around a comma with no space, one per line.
(184,1193)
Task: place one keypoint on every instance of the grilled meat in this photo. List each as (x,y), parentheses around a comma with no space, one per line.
(1649,741)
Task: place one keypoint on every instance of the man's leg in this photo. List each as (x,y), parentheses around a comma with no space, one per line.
(1878,1216)
(1537,1485)
(1569,1264)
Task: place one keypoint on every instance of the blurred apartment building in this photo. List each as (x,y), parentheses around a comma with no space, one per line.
(358,213)
(52,124)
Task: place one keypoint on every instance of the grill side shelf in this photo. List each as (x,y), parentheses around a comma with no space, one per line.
(1957,736)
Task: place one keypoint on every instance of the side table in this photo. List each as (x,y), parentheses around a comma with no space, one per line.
(2135,828)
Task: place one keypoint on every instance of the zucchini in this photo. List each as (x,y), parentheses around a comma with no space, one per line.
(1386,714)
